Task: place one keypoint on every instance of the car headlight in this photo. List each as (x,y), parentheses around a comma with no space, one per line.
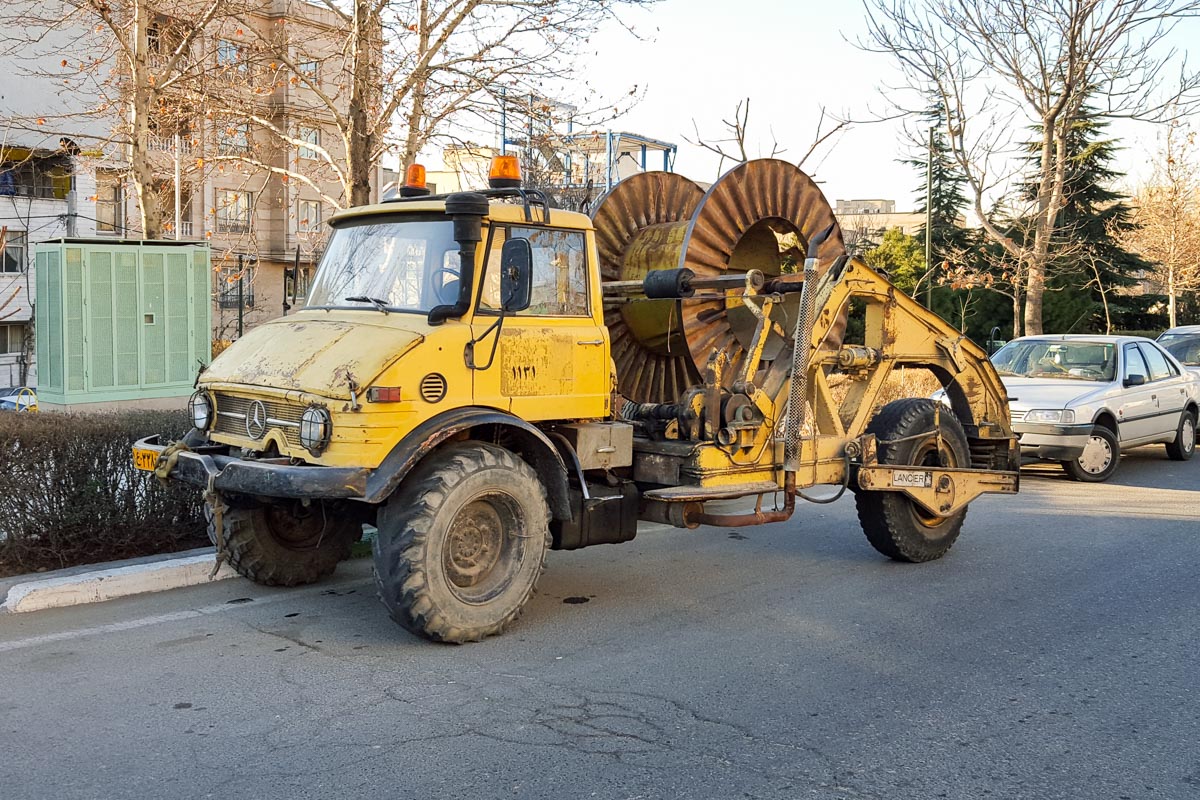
(1050,415)
(316,427)
(200,410)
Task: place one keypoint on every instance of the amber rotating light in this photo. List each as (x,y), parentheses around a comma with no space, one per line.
(759,215)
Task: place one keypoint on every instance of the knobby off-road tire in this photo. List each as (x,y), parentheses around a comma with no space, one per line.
(286,544)
(1184,446)
(895,525)
(462,543)
(1100,457)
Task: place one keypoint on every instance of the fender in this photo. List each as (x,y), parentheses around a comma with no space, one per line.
(529,443)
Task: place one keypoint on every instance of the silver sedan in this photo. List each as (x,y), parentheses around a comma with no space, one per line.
(1081,400)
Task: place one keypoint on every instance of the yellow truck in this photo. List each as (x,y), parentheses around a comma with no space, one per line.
(483,378)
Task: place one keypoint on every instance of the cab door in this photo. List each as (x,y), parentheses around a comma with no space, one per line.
(551,360)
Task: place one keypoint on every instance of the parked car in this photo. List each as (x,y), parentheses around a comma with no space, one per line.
(17,398)
(1080,400)
(1183,343)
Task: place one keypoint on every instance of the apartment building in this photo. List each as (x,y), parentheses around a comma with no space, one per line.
(241,160)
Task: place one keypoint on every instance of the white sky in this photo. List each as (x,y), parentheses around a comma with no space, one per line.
(698,58)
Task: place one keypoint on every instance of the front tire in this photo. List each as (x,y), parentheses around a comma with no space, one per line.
(462,544)
(1184,446)
(895,525)
(1099,459)
(285,544)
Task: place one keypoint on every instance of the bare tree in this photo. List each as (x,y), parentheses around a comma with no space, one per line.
(406,68)
(732,147)
(132,59)
(999,66)
(1168,215)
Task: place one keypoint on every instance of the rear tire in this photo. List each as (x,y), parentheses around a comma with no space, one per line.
(462,544)
(286,544)
(895,525)
(1184,446)
(1100,457)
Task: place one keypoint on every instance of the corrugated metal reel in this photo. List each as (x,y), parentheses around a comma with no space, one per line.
(758,215)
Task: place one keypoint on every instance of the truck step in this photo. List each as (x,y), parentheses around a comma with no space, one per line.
(700,494)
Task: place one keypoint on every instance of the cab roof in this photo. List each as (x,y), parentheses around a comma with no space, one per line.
(498,211)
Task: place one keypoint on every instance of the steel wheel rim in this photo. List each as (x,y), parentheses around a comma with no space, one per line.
(1187,432)
(929,455)
(482,552)
(1097,455)
(297,532)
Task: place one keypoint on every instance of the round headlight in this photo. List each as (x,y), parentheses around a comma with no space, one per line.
(316,426)
(200,410)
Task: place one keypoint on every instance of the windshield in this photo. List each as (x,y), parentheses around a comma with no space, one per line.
(1184,346)
(408,264)
(1084,361)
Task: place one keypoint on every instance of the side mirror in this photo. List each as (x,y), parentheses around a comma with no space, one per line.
(516,275)
(1135,380)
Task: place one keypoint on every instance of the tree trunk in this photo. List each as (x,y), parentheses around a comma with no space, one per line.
(141,105)
(364,97)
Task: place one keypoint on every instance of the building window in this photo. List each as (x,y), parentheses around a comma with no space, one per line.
(32,174)
(229,54)
(12,339)
(13,257)
(110,203)
(233,138)
(227,292)
(233,210)
(308,69)
(310,136)
(308,215)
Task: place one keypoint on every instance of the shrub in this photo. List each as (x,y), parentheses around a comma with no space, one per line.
(69,493)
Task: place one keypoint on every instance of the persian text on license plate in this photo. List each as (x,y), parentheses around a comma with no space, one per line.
(145,459)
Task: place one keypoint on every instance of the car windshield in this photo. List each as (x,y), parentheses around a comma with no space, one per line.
(1184,346)
(408,264)
(1037,358)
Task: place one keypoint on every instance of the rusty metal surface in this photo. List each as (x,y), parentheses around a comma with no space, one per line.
(653,364)
(758,215)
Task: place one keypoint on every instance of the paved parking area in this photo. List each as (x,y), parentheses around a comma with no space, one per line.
(1051,654)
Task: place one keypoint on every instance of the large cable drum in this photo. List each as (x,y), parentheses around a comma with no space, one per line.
(758,215)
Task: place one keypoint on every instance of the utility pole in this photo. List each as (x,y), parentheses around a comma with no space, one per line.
(929,224)
(178,192)
(241,295)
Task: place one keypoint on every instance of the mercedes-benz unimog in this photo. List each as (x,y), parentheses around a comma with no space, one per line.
(483,378)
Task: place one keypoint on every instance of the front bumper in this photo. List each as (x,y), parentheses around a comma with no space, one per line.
(1051,441)
(275,478)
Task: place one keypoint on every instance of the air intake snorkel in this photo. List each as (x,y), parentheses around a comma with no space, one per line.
(467,210)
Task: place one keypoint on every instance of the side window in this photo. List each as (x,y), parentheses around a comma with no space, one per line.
(1159,368)
(559,272)
(1134,363)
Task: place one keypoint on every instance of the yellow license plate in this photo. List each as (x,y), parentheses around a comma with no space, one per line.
(145,459)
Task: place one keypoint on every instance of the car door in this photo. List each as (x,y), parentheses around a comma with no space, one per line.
(1169,390)
(551,359)
(1137,408)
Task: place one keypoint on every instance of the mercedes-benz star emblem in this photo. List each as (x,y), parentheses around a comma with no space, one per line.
(256,419)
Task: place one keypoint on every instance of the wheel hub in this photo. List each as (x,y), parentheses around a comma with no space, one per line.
(475,543)
(1096,455)
(1188,435)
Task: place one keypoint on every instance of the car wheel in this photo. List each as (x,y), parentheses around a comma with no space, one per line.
(1099,458)
(1184,446)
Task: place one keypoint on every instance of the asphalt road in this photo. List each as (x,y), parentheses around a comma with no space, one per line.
(1051,654)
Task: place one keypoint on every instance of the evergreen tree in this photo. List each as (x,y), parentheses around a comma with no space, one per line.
(1091,266)
(944,185)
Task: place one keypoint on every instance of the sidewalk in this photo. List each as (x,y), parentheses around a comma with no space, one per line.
(95,583)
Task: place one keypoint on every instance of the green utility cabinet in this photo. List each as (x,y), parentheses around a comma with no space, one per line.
(122,322)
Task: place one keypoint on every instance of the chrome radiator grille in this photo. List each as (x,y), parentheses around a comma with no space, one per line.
(232,412)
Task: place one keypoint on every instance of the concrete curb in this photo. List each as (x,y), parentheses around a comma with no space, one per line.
(108,583)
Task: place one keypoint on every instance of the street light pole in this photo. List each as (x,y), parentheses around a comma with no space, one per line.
(929,224)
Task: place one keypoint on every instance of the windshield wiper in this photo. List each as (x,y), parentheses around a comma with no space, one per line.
(362,298)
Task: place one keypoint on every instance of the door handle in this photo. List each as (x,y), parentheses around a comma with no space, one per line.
(590,341)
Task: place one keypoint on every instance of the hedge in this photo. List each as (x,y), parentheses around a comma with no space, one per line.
(69,493)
